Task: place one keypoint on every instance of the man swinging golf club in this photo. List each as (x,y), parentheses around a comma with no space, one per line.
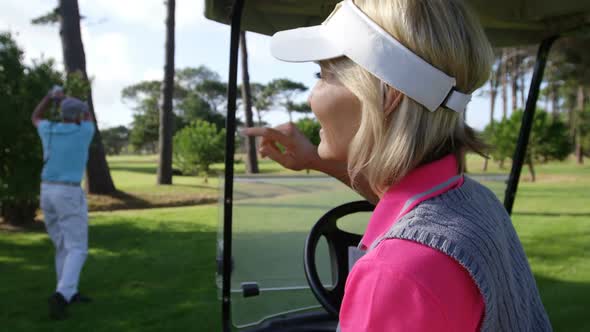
(65,153)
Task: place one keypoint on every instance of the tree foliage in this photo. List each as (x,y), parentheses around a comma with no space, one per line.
(50,18)
(549,138)
(77,85)
(146,119)
(197,146)
(311,129)
(282,93)
(192,107)
(261,100)
(198,95)
(115,139)
(583,127)
(21,87)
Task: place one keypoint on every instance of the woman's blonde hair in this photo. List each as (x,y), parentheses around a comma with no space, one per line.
(445,34)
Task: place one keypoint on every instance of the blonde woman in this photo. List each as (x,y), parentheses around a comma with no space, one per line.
(441,251)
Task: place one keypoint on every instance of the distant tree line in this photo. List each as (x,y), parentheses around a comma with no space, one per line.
(199,98)
(565,97)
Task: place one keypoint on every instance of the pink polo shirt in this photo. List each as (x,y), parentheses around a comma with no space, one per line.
(405,286)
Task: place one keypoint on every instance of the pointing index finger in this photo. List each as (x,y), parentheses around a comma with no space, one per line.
(268,133)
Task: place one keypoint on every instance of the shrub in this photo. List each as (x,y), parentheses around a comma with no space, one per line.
(197,146)
(21,88)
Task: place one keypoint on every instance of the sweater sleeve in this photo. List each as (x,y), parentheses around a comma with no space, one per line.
(378,299)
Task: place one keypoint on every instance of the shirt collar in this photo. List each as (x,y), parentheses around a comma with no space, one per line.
(420,184)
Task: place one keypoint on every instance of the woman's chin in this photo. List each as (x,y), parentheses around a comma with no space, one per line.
(323,151)
(326,153)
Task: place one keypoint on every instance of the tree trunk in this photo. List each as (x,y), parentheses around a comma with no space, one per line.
(290,117)
(579,153)
(166,115)
(522,84)
(504,82)
(251,157)
(98,177)
(578,136)
(570,113)
(554,101)
(514,78)
(259,116)
(492,109)
(206,177)
(529,162)
(493,94)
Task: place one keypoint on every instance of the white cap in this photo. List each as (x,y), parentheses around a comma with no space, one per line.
(349,32)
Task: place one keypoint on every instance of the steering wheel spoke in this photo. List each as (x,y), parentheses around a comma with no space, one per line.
(338,243)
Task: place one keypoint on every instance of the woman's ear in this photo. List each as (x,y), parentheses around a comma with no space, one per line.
(392,100)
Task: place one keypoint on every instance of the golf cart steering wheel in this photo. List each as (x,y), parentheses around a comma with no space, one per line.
(338,243)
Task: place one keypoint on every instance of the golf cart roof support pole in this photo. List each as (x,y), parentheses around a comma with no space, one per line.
(230,127)
(527,123)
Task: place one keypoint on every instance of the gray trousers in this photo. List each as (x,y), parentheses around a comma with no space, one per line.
(66,219)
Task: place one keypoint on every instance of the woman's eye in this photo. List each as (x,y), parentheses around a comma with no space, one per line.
(318,75)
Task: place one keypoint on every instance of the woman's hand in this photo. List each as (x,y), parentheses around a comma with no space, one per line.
(298,153)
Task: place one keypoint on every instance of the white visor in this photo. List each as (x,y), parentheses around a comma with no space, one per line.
(349,32)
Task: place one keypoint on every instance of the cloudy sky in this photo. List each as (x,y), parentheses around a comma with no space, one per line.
(124,43)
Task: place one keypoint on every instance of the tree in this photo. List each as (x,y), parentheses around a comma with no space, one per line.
(251,156)
(197,146)
(214,93)
(494,82)
(205,83)
(310,128)
(145,126)
(188,105)
(192,107)
(514,71)
(584,129)
(21,87)
(115,139)
(191,77)
(283,92)
(166,116)
(261,100)
(98,176)
(504,82)
(302,107)
(575,55)
(549,139)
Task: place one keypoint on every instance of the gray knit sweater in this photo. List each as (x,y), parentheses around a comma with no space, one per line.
(470,225)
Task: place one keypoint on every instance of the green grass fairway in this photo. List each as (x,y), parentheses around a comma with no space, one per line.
(154,270)
(147,270)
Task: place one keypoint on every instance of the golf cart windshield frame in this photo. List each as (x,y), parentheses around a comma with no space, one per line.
(236,17)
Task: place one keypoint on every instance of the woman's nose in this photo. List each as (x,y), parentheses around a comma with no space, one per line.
(309,96)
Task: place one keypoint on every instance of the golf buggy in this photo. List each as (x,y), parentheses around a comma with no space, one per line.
(283,246)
